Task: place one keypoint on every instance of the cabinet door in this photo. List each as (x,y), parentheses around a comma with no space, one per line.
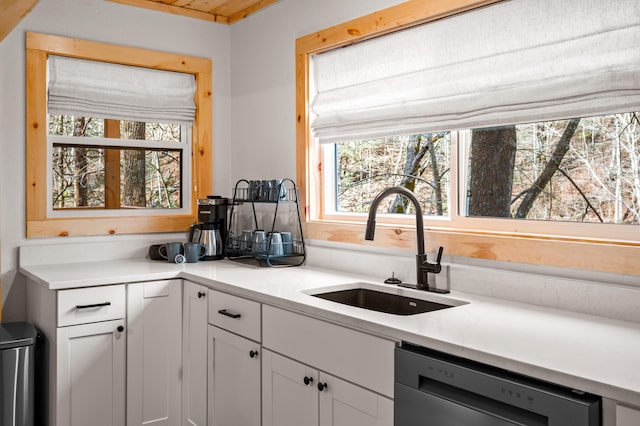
(234,380)
(154,353)
(626,416)
(194,355)
(287,399)
(91,374)
(345,404)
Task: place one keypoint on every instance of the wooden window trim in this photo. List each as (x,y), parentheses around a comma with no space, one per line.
(38,224)
(566,252)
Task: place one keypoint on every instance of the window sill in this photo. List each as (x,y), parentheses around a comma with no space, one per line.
(564,252)
(65,227)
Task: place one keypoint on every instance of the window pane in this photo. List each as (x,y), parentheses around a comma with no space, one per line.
(420,163)
(151,179)
(150,131)
(112,177)
(70,125)
(148,178)
(579,170)
(78,177)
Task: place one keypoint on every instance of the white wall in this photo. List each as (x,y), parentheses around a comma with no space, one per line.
(263,146)
(263,80)
(101,21)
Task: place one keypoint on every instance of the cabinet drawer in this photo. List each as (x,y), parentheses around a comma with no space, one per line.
(355,356)
(235,314)
(86,305)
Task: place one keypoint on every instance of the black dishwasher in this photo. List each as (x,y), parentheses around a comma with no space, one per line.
(437,389)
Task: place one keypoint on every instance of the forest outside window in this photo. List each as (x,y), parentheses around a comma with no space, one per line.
(92,170)
(357,171)
(118,138)
(584,170)
(579,170)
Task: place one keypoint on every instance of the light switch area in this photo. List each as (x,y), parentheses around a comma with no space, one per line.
(627,416)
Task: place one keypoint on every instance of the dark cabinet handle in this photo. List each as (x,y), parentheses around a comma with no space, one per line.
(253,354)
(322,387)
(229,314)
(120,329)
(308,380)
(201,294)
(95,305)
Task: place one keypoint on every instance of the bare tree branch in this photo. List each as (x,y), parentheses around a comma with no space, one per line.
(582,194)
(552,166)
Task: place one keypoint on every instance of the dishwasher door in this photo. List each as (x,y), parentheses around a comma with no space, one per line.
(419,408)
(436,389)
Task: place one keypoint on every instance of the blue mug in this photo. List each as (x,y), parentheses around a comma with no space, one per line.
(193,252)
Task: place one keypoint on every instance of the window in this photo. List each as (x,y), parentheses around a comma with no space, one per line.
(357,171)
(555,233)
(145,175)
(582,170)
(87,175)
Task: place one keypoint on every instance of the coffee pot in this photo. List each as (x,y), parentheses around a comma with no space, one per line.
(211,231)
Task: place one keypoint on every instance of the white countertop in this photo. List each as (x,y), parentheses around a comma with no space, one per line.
(586,352)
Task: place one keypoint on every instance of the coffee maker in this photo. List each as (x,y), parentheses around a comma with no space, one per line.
(212,229)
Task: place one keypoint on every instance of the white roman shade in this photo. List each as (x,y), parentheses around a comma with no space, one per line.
(105,90)
(514,62)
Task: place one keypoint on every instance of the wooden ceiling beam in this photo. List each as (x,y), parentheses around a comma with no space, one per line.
(168,8)
(251,9)
(12,13)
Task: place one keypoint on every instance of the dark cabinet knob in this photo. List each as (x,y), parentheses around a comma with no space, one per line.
(308,380)
(253,354)
(322,387)
(120,329)
(201,294)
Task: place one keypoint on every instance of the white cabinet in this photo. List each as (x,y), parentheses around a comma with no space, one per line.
(345,404)
(327,360)
(234,379)
(290,396)
(115,352)
(154,353)
(346,353)
(194,355)
(234,355)
(298,395)
(627,416)
(86,336)
(90,383)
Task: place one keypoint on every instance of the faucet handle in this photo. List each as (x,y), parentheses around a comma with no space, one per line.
(434,268)
(439,258)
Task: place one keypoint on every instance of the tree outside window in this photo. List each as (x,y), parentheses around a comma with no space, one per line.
(576,170)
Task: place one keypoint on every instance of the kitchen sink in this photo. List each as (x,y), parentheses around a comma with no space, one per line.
(380,301)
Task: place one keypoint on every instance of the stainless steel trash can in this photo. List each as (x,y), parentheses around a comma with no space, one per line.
(17,373)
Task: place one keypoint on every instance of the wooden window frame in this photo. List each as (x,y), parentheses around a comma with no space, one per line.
(585,253)
(38,224)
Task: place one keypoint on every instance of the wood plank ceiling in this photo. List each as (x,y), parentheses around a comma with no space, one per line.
(222,11)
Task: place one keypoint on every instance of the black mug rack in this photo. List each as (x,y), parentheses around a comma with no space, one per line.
(265,225)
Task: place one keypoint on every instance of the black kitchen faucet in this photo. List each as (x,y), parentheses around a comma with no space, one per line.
(423,267)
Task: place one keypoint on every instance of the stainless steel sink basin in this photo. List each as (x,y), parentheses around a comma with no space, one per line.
(390,303)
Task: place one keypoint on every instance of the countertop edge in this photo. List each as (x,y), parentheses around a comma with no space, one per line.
(39,275)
